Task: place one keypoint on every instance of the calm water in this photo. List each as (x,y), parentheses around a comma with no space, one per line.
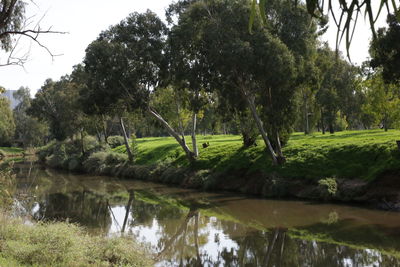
(188,228)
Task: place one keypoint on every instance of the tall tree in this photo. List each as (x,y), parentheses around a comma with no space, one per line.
(7,125)
(258,65)
(385,50)
(29,130)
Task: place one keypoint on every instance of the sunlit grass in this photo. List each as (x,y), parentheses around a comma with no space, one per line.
(347,154)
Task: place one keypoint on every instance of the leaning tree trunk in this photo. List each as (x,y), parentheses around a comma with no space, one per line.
(128,148)
(278,149)
(250,101)
(173,133)
(194,141)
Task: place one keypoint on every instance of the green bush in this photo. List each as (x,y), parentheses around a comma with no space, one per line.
(116,158)
(96,162)
(91,145)
(7,185)
(115,141)
(63,244)
(58,157)
(328,187)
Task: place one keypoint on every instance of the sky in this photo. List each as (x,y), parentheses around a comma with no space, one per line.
(83,20)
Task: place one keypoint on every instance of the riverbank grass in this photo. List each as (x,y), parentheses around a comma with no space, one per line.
(348,154)
(63,244)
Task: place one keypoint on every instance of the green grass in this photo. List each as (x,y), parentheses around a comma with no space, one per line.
(347,154)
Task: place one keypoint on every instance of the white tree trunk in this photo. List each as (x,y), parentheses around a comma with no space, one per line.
(128,149)
(194,141)
(250,101)
(173,133)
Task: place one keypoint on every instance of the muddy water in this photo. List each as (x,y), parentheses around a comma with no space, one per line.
(188,228)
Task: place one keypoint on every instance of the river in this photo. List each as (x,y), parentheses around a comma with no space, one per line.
(182,227)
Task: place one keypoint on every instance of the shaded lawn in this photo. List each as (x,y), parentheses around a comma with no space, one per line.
(348,154)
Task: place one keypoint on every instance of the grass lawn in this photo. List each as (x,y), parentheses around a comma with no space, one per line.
(348,154)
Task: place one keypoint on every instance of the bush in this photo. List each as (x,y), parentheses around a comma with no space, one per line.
(96,162)
(91,145)
(328,187)
(7,179)
(116,158)
(63,244)
(58,157)
(115,141)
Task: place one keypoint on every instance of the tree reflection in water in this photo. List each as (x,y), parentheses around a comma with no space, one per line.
(225,232)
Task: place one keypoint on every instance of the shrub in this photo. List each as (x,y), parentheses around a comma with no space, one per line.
(91,145)
(116,158)
(6,185)
(58,156)
(115,141)
(96,162)
(63,244)
(328,186)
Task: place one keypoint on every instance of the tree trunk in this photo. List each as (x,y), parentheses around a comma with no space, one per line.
(322,122)
(178,111)
(128,148)
(104,129)
(173,133)
(194,142)
(278,149)
(331,129)
(385,126)
(307,126)
(82,144)
(250,101)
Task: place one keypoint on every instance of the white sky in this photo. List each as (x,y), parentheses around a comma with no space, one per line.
(85,19)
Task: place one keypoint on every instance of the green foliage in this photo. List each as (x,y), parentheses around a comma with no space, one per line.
(95,163)
(7,125)
(7,184)
(382,101)
(329,185)
(63,244)
(68,154)
(29,131)
(115,140)
(385,50)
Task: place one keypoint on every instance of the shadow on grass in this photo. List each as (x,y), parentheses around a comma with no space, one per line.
(157,153)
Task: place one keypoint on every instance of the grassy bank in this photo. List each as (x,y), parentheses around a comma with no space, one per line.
(63,244)
(347,154)
(57,244)
(346,166)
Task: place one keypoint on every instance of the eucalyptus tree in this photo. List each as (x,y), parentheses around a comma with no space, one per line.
(13,25)
(106,68)
(336,87)
(190,70)
(258,66)
(7,125)
(345,14)
(29,131)
(382,101)
(385,50)
(57,104)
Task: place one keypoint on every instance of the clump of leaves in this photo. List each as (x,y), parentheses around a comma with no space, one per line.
(329,185)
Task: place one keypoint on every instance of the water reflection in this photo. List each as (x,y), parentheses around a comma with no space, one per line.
(186,228)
